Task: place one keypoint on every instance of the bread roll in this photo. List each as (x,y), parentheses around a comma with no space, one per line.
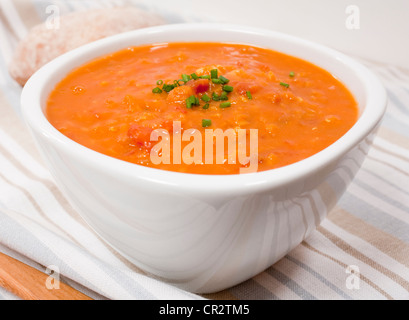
(43,43)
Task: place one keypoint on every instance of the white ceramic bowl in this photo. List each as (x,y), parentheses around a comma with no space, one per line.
(204,233)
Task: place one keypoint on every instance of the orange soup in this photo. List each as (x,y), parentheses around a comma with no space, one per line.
(186,92)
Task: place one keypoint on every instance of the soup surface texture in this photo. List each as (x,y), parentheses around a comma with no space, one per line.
(114,103)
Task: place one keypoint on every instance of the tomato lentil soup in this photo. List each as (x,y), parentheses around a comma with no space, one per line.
(114,103)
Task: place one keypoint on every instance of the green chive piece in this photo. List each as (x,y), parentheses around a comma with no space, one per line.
(206,76)
(213,73)
(188,103)
(176,83)
(225,104)
(292,74)
(206,106)
(191,101)
(224,96)
(157,90)
(228,88)
(206,98)
(249,96)
(168,87)
(206,123)
(194,76)
(159,82)
(185,77)
(224,79)
(284,84)
(215,97)
(217,81)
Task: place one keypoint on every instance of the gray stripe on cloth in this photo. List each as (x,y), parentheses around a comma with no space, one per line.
(251,290)
(291,284)
(374,216)
(319,277)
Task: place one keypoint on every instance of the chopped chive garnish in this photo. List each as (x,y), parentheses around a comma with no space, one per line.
(168,87)
(206,123)
(228,88)
(194,99)
(190,101)
(214,76)
(225,104)
(224,96)
(185,77)
(284,84)
(206,98)
(292,74)
(224,79)
(217,81)
(215,97)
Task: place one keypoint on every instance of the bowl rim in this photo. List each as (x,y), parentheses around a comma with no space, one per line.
(369,119)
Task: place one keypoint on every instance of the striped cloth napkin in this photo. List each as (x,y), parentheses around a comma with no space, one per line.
(361,251)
